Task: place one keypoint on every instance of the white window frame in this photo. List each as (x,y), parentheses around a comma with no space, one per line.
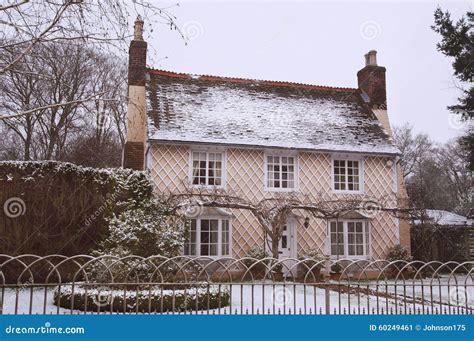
(281,153)
(219,236)
(207,150)
(366,233)
(348,157)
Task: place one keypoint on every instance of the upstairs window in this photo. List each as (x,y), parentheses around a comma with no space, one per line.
(281,172)
(207,168)
(347,175)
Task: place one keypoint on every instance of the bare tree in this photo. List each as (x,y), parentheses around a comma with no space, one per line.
(83,91)
(18,92)
(414,148)
(110,78)
(441,179)
(102,25)
(454,165)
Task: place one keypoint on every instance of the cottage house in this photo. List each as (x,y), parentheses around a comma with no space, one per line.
(258,138)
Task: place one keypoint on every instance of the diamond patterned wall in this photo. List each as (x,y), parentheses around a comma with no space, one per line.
(169,167)
(245,177)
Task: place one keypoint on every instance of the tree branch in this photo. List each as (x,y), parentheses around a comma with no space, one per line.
(57,105)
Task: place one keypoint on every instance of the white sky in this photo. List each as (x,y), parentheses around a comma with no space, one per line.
(321,43)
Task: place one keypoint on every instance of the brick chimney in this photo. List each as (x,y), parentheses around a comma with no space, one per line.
(371,80)
(134,149)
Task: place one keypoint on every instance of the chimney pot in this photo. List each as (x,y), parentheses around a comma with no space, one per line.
(371,58)
(138,29)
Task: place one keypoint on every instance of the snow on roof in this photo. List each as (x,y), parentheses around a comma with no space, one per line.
(441,217)
(232,111)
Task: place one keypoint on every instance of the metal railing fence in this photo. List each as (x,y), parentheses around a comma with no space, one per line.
(84,284)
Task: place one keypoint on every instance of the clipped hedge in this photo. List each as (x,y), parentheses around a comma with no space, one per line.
(58,207)
(155,300)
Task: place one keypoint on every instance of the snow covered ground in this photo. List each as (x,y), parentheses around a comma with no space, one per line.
(446,290)
(268,298)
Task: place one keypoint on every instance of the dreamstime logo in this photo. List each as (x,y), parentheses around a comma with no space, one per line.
(193,209)
(371,208)
(192,30)
(14,207)
(370,29)
(282,296)
(382,106)
(101,209)
(281,119)
(458,296)
(103,297)
(456,121)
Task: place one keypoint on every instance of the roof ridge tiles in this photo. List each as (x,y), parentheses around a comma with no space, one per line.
(248,81)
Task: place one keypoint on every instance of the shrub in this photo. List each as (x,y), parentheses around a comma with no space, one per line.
(145,300)
(258,253)
(311,259)
(146,229)
(312,256)
(336,268)
(398,253)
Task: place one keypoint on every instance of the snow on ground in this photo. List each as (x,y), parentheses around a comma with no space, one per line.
(455,290)
(268,298)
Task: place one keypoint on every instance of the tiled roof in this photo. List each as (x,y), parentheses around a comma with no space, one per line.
(185,108)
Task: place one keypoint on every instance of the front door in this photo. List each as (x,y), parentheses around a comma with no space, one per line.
(287,248)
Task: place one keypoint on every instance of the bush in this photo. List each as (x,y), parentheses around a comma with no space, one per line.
(398,253)
(311,259)
(145,300)
(336,268)
(146,229)
(312,256)
(258,253)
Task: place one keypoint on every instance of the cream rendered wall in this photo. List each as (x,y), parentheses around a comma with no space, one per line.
(136,114)
(169,169)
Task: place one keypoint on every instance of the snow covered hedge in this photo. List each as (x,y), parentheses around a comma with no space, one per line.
(57,207)
(199,297)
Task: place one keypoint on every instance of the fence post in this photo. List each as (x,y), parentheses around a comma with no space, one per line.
(327,277)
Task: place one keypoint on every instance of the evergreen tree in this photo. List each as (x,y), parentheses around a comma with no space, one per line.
(457,41)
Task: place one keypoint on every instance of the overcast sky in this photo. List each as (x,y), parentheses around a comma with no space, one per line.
(321,43)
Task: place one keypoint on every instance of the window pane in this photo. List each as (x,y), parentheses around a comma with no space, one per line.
(225,238)
(355,237)
(190,243)
(207,168)
(337,238)
(367,238)
(346,175)
(280,172)
(351,250)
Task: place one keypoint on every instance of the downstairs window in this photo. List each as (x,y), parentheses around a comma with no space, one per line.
(208,237)
(349,238)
